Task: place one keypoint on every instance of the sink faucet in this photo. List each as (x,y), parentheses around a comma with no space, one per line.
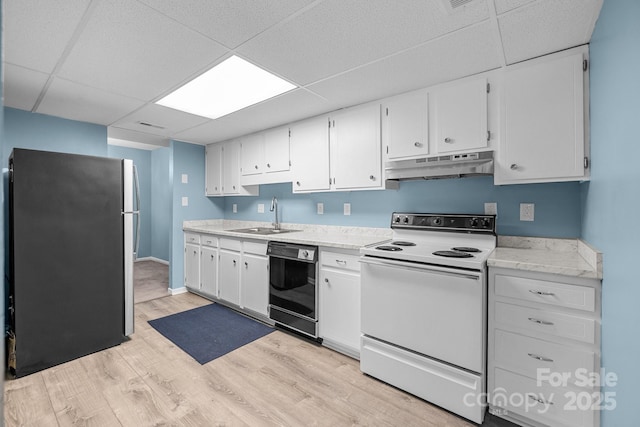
(274,208)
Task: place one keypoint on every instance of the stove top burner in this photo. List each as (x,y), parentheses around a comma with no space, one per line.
(453,254)
(402,243)
(465,249)
(388,248)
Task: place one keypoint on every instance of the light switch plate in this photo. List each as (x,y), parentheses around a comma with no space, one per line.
(320,208)
(527,211)
(260,207)
(185,178)
(491,208)
(347,208)
(185,201)
(235,208)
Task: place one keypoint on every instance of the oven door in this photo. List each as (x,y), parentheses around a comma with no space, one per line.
(436,311)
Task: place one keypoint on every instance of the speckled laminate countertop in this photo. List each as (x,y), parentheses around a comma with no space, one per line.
(568,257)
(308,234)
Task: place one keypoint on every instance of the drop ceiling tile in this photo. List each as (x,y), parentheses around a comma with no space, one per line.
(86,104)
(37,32)
(131,49)
(230,23)
(22,86)
(337,35)
(165,121)
(287,108)
(503,6)
(463,53)
(547,26)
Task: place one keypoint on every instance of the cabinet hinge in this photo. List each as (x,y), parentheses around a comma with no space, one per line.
(387,111)
(585,65)
(289,162)
(488,135)
(387,149)
(586,162)
(488,87)
(329,123)
(289,133)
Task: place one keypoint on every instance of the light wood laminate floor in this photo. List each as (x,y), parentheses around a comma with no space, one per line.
(147,381)
(150,280)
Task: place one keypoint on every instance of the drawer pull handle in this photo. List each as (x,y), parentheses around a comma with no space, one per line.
(542,358)
(546,294)
(341,262)
(540,322)
(537,399)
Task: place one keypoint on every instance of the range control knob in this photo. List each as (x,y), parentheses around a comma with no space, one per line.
(486,223)
(396,219)
(405,220)
(437,221)
(305,254)
(473,222)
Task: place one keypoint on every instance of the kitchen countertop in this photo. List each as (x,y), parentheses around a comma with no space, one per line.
(320,235)
(568,257)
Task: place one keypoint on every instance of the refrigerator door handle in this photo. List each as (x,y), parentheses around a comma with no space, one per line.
(137,211)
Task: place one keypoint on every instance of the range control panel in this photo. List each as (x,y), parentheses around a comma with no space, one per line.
(445,222)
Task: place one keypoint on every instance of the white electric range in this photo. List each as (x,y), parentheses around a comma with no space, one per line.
(424,308)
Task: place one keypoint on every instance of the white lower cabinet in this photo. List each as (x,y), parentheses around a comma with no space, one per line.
(229,272)
(254,278)
(209,271)
(339,303)
(544,341)
(192,261)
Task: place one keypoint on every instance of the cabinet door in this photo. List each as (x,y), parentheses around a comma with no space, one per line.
(355,140)
(340,307)
(405,126)
(209,271)
(213,170)
(543,136)
(310,155)
(231,169)
(229,277)
(254,286)
(276,150)
(252,154)
(192,266)
(461,116)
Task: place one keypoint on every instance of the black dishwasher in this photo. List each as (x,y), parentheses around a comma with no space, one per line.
(293,294)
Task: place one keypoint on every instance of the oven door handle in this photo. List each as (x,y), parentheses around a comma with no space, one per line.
(417,267)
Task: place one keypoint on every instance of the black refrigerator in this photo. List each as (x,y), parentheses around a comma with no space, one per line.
(71,253)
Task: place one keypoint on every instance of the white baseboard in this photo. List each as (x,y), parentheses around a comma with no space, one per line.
(151,258)
(177,291)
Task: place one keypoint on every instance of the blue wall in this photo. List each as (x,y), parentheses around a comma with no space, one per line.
(142,160)
(612,198)
(557,206)
(161,203)
(188,159)
(41,132)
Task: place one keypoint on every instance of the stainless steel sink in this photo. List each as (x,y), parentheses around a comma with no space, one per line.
(262,230)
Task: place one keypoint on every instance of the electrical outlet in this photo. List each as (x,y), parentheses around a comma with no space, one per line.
(320,208)
(347,208)
(527,211)
(185,178)
(491,208)
(185,201)
(235,208)
(260,207)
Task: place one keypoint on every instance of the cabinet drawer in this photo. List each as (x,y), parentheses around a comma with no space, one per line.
(546,292)
(256,248)
(546,322)
(340,260)
(546,404)
(209,240)
(230,244)
(525,355)
(192,238)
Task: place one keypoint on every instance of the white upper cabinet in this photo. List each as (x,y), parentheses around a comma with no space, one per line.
(460,116)
(544,107)
(264,157)
(405,126)
(213,170)
(310,155)
(252,154)
(276,150)
(356,161)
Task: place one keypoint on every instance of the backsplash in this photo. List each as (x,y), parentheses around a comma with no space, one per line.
(557,205)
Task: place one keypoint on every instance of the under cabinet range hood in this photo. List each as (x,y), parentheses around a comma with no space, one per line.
(450,166)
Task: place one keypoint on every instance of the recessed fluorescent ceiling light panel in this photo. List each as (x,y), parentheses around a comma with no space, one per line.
(229,86)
